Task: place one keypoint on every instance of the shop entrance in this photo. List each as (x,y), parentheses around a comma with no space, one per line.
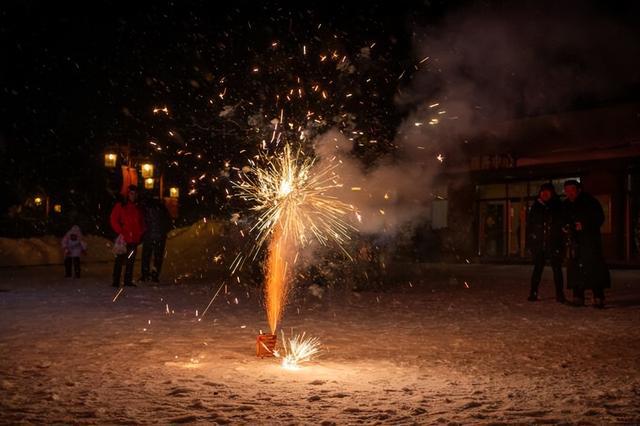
(492,228)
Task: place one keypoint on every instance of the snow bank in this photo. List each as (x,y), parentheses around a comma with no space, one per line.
(47,251)
(197,249)
(194,249)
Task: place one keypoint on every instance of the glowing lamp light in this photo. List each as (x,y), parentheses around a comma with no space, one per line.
(37,201)
(110,159)
(174,192)
(148,183)
(147,171)
(57,208)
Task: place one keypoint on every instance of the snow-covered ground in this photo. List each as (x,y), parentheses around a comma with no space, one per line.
(448,344)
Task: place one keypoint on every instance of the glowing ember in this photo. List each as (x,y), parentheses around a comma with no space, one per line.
(163,109)
(298,349)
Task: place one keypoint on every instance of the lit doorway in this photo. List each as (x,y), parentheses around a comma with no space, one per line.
(492,228)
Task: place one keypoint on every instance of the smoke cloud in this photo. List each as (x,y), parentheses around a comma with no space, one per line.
(490,64)
(486,65)
(390,194)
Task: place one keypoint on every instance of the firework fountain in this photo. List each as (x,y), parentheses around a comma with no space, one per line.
(291,196)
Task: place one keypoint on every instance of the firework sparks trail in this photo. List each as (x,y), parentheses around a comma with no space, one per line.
(276,286)
(117,294)
(290,195)
(210,302)
(299,350)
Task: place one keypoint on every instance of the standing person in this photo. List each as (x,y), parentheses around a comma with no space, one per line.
(544,239)
(74,246)
(127,221)
(586,268)
(158,223)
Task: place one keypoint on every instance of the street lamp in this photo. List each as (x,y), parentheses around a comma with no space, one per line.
(147,170)
(174,192)
(148,183)
(110,159)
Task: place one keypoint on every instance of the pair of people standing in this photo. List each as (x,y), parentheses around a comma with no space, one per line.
(574,225)
(136,223)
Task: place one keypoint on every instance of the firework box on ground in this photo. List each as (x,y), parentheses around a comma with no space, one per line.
(266,345)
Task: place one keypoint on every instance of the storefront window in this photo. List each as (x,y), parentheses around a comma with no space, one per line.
(439,213)
(518,190)
(492,228)
(498,190)
(517,225)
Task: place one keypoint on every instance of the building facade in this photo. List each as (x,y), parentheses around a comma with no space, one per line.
(489,196)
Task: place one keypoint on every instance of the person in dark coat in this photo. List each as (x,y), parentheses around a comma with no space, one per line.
(127,221)
(158,224)
(586,268)
(544,239)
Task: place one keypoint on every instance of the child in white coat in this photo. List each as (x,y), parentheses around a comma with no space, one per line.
(74,246)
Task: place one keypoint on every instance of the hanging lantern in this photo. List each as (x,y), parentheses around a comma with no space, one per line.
(129,177)
(174,192)
(110,159)
(148,183)
(37,201)
(57,208)
(147,170)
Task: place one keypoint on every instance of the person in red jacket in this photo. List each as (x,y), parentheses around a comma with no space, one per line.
(127,220)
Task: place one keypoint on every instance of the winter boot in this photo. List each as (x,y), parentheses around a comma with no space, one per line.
(533,296)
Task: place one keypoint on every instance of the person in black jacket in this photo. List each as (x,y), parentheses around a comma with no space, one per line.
(544,239)
(586,268)
(158,223)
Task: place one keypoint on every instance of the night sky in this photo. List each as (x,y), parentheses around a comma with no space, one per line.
(77,78)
